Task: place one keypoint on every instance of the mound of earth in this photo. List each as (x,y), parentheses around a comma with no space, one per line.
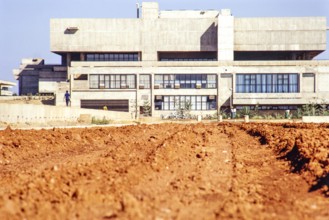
(306,146)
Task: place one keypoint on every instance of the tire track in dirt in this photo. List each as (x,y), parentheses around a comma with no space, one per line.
(264,188)
(190,176)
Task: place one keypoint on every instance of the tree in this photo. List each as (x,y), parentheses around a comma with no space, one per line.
(146,108)
(183,108)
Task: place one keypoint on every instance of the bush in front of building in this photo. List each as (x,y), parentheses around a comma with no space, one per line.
(312,109)
(103,121)
(146,108)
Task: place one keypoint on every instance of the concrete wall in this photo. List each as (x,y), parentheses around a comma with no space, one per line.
(77,96)
(189,14)
(148,34)
(280,34)
(186,35)
(5,90)
(193,31)
(21,113)
(95,35)
(315,119)
(160,114)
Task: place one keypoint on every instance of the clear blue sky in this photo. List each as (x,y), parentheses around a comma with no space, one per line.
(24,24)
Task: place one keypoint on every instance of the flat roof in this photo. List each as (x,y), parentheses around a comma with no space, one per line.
(7,83)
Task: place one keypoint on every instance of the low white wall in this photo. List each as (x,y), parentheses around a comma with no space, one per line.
(21,113)
(316,119)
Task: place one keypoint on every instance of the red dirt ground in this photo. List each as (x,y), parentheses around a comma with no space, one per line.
(166,171)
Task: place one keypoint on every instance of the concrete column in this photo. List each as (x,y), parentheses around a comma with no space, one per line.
(82,56)
(68,59)
(137,95)
(71,87)
(152,94)
(139,56)
(150,14)
(225,36)
(218,93)
(316,83)
(300,82)
(233,88)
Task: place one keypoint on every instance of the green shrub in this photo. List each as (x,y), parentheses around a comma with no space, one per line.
(103,121)
(278,116)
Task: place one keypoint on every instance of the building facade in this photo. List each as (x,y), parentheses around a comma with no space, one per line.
(208,59)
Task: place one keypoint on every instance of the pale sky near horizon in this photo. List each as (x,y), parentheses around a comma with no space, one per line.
(24,24)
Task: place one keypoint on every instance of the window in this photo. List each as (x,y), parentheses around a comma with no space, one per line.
(267,83)
(186,81)
(158,80)
(102,81)
(177,102)
(211,81)
(112,57)
(116,81)
(93,81)
(110,81)
(131,81)
(107,81)
(144,80)
(187,56)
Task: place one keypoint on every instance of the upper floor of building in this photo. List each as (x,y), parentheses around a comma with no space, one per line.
(189,35)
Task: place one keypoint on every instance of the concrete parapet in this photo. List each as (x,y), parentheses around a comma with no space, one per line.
(315,119)
(29,113)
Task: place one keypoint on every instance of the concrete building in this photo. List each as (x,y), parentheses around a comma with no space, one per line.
(35,77)
(209,59)
(5,87)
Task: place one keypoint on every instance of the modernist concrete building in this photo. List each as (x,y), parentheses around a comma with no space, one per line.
(169,58)
(37,78)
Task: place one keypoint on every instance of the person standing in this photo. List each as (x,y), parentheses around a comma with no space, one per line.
(67,97)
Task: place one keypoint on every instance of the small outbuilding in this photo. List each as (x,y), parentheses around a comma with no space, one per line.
(5,87)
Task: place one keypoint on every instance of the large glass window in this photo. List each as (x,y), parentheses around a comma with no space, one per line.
(267,83)
(197,102)
(112,57)
(112,81)
(186,81)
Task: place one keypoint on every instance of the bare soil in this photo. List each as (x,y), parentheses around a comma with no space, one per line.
(166,171)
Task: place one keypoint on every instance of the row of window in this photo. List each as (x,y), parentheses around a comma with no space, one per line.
(267,83)
(112,57)
(192,102)
(188,59)
(186,81)
(245,83)
(112,81)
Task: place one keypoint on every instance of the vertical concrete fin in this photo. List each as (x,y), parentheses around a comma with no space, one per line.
(225,36)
